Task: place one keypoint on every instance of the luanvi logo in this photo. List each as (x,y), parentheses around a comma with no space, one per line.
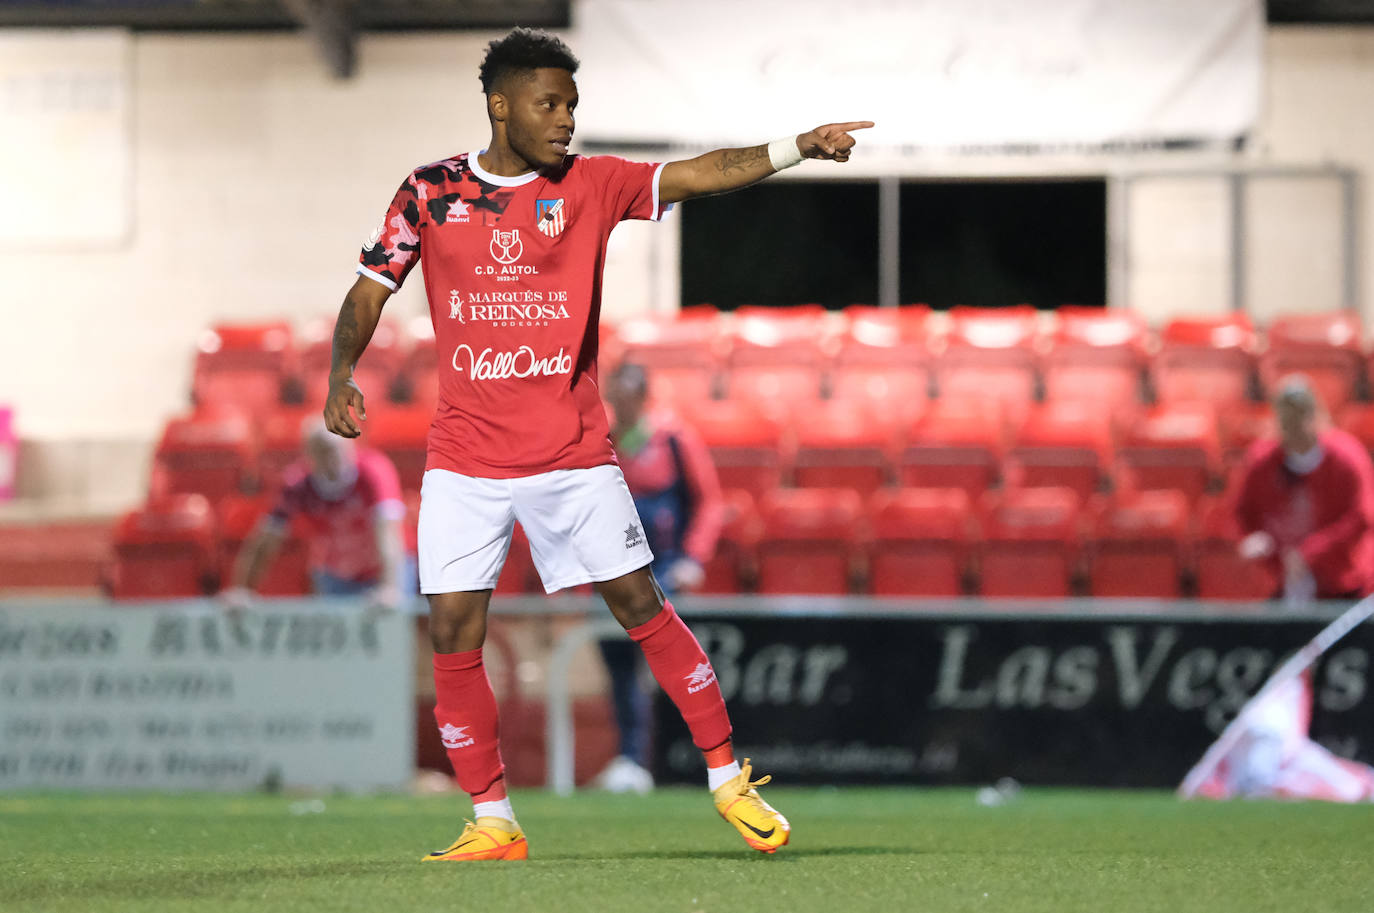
(455,736)
(633,536)
(699,677)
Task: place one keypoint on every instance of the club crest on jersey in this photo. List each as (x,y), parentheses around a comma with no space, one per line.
(506,246)
(551,216)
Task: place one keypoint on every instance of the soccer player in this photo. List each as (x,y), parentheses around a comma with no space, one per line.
(513,240)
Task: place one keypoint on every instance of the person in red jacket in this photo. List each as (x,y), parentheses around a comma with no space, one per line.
(1306,502)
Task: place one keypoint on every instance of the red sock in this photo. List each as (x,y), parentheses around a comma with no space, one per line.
(682,670)
(465,710)
(720,756)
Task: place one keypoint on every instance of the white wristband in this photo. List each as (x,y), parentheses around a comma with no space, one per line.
(783,153)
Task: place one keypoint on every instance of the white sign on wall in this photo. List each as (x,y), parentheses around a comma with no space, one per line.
(66,162)
(931,73)
(98,698)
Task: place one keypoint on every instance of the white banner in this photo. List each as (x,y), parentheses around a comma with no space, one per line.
(931,73)
(96,698)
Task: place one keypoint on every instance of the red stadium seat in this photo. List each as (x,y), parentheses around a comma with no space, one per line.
(811,540)
(1063,443)
(289,573)
(681,388)
(402,433)
(1096,355)
(747,447)
(1030,542)
(921,541)
(1221,572)
(954,444)
(1203,359)
(786,392)
(802,336)
(243,365)
(734,566)
(213,453)
(1238,427)
(884,357)
(844,444)
(1326,347)
(667,342)
(376,374)
(1171,447)
(281,442)
(990,354)
(1138,545)
(65,556)
(166,549)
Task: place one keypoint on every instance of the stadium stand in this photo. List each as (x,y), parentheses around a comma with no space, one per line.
(1098,356)
(165,549)
(212,452)
(990,354)
(811,540)
(246,365)
(809,415)
(955,443)
(734,566)
(1325,347)
(1205,359)
(1172,446)
(845,444)
(1138,545)
(921,541)
(1031,542)
(1064,443)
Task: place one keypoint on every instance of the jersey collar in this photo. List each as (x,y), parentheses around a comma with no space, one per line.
(487,177)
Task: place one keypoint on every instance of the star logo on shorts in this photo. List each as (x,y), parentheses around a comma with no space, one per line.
(633,536)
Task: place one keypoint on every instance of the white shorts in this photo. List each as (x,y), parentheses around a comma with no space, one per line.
(581,523)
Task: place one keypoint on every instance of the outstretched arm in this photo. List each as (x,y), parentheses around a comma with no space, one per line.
(724,170)
(358,317)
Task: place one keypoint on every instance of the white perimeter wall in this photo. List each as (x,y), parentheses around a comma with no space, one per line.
(257,176)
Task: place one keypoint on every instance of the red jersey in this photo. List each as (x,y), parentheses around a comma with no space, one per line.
(340,519)
(512,269)
(1326,514)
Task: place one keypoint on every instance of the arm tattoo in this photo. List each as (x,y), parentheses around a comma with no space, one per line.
(345,349)
(740,159)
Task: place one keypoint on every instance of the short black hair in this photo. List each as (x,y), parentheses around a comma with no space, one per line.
(523,49)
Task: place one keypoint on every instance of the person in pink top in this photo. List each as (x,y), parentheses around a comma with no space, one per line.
(348,498)
(513,240)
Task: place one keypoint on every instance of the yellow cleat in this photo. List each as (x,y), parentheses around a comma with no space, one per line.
(759,823)
(488,838)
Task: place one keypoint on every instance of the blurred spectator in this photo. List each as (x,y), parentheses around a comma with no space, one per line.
(349,500)
(676,491)
(1305,502)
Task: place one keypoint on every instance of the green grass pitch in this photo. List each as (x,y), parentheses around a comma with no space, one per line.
(852,849)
